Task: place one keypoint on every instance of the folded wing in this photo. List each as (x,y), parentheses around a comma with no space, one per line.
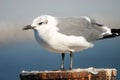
(80,26)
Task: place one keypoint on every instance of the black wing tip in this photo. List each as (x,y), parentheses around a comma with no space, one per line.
(115,33)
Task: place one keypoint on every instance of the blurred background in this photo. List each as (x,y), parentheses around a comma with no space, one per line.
(19,50)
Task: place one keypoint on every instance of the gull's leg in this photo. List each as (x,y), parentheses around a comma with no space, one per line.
(62,65)
(71,59)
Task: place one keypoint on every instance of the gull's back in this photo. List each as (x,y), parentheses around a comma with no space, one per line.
(79,26)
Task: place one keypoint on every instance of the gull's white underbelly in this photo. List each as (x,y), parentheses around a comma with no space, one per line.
(62,43)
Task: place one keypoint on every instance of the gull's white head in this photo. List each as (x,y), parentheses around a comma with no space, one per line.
(41,21)
(37,22)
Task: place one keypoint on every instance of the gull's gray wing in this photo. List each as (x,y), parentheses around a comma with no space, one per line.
(79,26)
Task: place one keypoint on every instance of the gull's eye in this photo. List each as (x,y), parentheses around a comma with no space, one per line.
(40,23)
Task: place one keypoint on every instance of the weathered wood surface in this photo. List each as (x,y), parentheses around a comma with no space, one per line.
(75,74)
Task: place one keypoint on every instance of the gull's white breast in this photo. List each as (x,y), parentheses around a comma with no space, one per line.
(57,42)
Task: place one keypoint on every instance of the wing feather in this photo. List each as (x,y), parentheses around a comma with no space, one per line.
(79,26)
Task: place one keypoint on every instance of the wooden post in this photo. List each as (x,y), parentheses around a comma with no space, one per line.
(75,74)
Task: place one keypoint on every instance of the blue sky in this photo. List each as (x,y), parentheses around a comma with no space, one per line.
(17,9)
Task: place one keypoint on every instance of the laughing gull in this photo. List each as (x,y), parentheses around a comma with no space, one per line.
(69,34)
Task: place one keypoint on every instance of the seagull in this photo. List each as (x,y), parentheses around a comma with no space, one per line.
(69,34)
